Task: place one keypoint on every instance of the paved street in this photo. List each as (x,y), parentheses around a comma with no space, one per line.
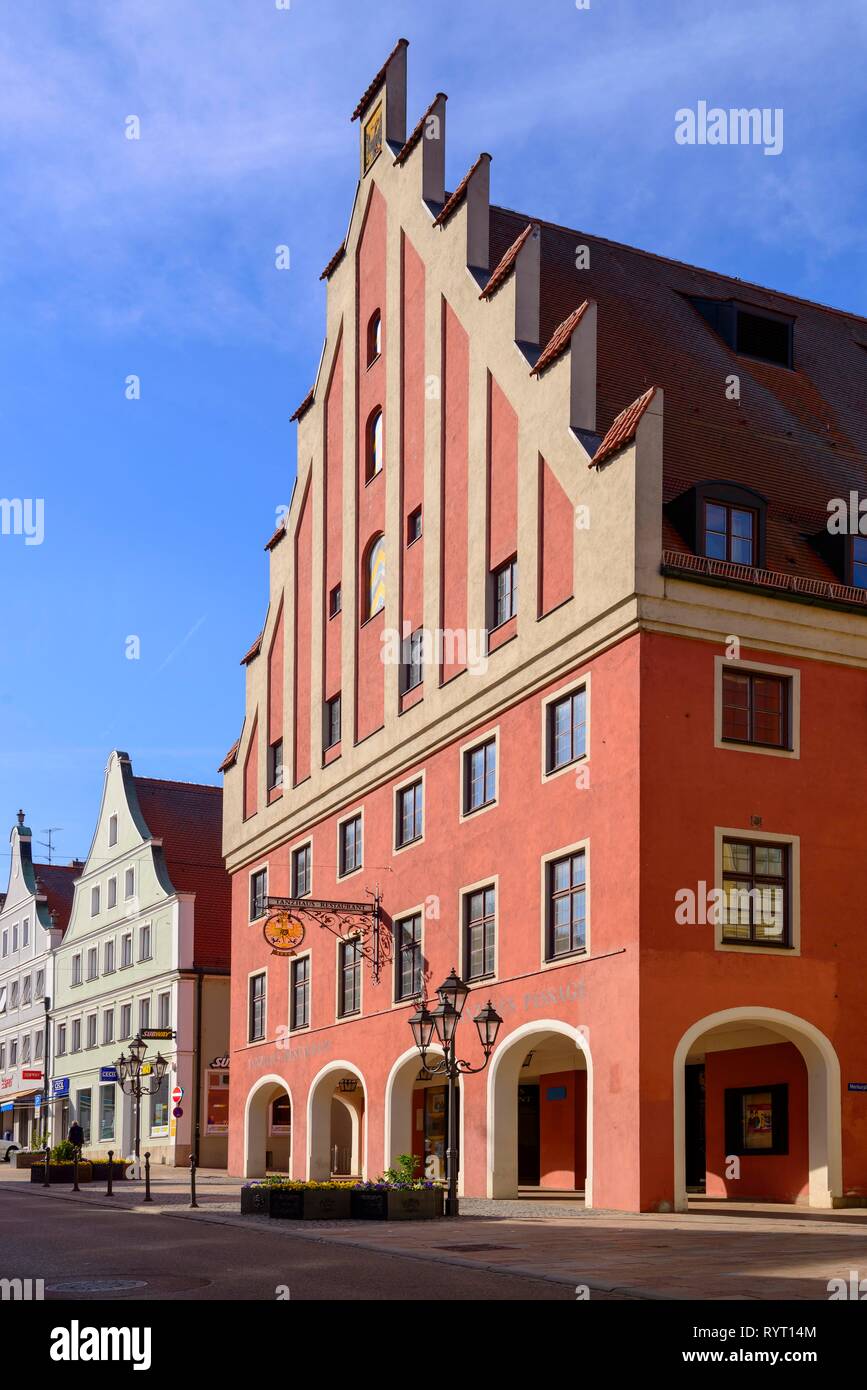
(496,1250)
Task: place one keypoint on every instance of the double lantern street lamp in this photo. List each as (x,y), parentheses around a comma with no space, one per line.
(129,1078)
(444,1020)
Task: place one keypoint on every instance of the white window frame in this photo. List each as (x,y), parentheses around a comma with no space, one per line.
(758,836)
(570,688)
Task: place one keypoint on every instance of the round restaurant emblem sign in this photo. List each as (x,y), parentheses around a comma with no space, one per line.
(283,933)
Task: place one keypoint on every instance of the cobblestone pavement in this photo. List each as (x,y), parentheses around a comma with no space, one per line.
(716,1251)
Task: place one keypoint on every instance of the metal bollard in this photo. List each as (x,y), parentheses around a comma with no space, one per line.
(193,1202)
(110,1167)
(45,1181)
(147,1196)
(75,1186)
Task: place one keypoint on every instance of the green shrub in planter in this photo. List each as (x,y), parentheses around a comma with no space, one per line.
(296,1201)
(62,1172)
(100,1168)
(385,1201)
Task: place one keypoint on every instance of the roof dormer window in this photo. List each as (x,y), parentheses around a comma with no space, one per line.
(723,521)
(748,330)
(729,533)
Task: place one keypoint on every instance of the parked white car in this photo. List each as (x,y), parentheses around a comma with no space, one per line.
(7,1147)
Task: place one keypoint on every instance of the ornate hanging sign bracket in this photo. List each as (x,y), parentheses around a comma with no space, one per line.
(350,921)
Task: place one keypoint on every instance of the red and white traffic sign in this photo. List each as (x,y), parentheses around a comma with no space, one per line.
(177,1095)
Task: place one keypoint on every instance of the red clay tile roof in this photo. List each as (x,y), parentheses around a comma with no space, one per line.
(455,199)
(57,882)
(334,262)
(406,150)
(252,651)
(231,757)
(506,263)
(622,430)
(798,436)
(304,406)
(277,537)
(188,818)
(559,340)
(378,80)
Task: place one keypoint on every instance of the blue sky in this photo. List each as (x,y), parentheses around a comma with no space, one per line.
(156,258)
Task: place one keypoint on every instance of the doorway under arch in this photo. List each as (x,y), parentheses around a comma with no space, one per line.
(540,1108)
(336,1123)
(416,1114)
(772,1121)
(268,1128)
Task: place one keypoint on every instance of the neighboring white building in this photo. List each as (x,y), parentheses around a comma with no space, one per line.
(33,916)
(147,947)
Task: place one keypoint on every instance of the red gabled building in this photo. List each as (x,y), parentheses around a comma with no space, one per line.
(557,633)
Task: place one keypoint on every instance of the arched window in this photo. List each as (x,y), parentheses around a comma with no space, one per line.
(374,445)
(376,575)
(374,337)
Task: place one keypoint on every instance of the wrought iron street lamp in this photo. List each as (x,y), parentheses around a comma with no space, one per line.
(443,1021)
(130,1080)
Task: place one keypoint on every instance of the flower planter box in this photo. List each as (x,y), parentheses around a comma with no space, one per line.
(20,1159)
(296,1204)
(99,1167)
(61,1172)
(401,1204)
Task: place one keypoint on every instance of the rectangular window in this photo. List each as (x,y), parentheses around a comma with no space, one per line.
(5,943)
(412,669)
(129,883)
(91,1030)
(60,1040)
(217,1103)
(480,776)
(567,730)
(25,1049)
(160,1108)
(82,1113)
(94,901)
(409,815)
(112,892)
(258,893)
(13,994)
(275,764)
(350,977)
(408,980)
(144,1014)
(92,963)
(3,994)
(76,1035)
(350,845)
(38,1045)
(335,600)
(302,871)
(40,984)
(144,943)
(729,533)
(756,892)
(413,526)
(567,905)
(108,1026)
(757,1120)
(2,1056)
(108,958)
(15,936)
(125,1020)
(756,708)
(505,592)
(26,986)
(480,908)
(164,1010)
(256,1019)
(126,950)
(301,992)
(13,1053)
(25,932)
(332,721)
(112,830)
(106,1111)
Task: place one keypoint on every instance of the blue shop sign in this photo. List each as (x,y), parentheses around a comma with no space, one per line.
(108,1073)
(60,1087)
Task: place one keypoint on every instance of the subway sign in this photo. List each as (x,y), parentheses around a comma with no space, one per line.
(158,1034)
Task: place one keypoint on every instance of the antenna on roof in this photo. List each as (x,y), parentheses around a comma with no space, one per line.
(49,844)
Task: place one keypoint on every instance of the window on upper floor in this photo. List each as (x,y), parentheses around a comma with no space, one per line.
(2,1056)
(749,330)
(723,521)
(566,905)
(480,926)
(60,1040)
(300,1007)
(755,883)
(4,994)
(6,943)
(25,1049)
(76,969)
(729,532)
(756,708)
(25,932)
(256,1008)
(258,893)
(129,883)
(566,729)
(858,562)
(505,592)
(92,963)
(112,892)
(13,995)
(375,577)
(332,731)
(408,958)
(14,936)
(108,958)
(349,985)
(144,1014)
(335,601)
(409,814)
(374,337)
(145,942)
(164,1010)
(350,855)
(412,666)
(413,526)
(125,1021)
(275,764)
(13,1053)
(480,776)
(38,1044)
(76,1035)
(26,991)
(91,1030)
(302,870)
(126,950)
(112,830)
(40,984)
(373,446)
(108,1026)
(94,901)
